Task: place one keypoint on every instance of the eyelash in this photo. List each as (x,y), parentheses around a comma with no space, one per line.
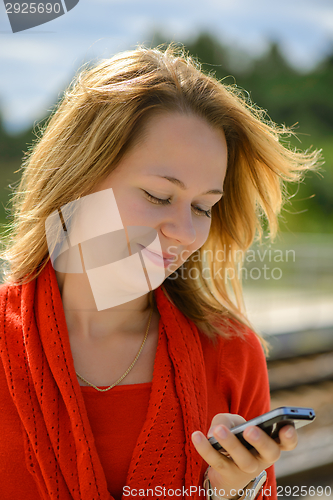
(159,201)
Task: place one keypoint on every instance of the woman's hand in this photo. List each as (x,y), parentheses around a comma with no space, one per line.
(232,474)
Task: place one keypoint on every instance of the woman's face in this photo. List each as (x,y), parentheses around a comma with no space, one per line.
(170,181)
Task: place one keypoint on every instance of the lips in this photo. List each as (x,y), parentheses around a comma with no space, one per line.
(155,257)
(166,256)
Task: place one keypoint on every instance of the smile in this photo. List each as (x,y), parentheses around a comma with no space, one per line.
(155,258)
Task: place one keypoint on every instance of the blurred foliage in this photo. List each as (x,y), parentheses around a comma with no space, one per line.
(300,100)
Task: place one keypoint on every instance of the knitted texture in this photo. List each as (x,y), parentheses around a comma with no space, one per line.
(60,451)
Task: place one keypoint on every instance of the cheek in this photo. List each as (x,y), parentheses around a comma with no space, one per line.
(202,234)
(134,212)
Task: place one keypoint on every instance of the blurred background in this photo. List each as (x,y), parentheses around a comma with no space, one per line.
(281,54)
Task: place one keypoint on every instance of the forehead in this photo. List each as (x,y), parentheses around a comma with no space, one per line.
(184,130)
(177,143)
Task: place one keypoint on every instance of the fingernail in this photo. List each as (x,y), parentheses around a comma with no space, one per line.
(210,432)
(253,433)
(196,437)
(290,432)
(221,432)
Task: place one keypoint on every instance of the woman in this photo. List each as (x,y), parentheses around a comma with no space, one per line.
(117,366)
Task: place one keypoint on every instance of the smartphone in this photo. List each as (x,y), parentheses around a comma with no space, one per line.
(271,423)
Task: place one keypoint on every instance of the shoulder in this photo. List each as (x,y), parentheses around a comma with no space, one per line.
(236,369)
(236,342)
(9,288)
(9,295)
(10,308)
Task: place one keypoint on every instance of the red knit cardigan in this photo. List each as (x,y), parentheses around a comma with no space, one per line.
(47,448)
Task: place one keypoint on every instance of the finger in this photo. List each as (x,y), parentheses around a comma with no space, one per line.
(215,459)
(224,472)
(288,438)
(227,419)
(268,449)
(241,456)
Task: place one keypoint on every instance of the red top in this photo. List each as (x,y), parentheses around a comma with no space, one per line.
(111,418)
(111,413)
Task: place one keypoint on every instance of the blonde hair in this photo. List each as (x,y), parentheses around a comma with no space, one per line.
(102,115)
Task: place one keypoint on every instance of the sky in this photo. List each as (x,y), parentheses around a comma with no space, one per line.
(37,64)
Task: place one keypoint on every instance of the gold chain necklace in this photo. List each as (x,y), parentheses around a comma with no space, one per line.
(128,369)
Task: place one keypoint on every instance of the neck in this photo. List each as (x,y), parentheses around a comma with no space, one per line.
(83,318)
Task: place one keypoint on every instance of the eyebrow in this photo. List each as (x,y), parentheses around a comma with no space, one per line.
(180,184)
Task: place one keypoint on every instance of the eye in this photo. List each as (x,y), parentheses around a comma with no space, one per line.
(159,201)
(207,213)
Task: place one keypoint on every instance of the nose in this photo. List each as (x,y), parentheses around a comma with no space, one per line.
(180,227)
